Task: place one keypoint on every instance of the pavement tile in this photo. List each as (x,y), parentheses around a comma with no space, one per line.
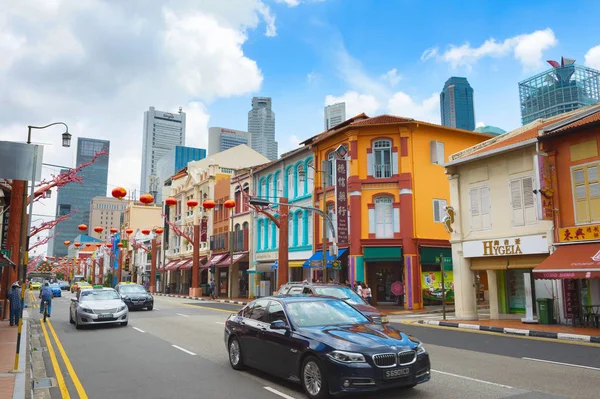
(7,386)
(517,324)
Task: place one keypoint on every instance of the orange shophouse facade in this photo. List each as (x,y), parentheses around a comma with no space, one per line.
(570,179)
(397,191)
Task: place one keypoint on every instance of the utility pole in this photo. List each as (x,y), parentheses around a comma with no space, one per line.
(324,209)
(443,286)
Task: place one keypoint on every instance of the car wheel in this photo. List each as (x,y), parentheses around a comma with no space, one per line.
(313,379)
(71,318)
(77,325)
(235,354)
(150,307)
(124,324)
(410,386)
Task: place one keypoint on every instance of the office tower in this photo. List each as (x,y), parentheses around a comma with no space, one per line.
(106,212)
(221,139)
(261,126)
(76,198)
(334,115)
(563,88)
(172,162)
(456,104)
(162,132)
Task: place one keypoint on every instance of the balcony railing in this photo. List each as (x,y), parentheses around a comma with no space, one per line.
(383,171)
(221,241)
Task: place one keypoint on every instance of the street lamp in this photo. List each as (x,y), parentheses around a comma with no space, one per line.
(230,204)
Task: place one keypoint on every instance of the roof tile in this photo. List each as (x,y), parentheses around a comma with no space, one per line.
(381,120)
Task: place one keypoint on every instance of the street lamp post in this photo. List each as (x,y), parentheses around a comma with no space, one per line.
(230,204)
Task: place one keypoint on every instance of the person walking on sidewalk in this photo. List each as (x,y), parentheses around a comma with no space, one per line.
(14,296)
(46,295)
(211,289)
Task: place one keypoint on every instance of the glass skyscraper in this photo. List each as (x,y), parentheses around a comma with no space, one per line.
(456,104)
(76,197)
(564,88)
(261,126)
(172,162)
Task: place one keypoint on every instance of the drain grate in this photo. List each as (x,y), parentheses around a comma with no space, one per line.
(44,383)
(40,349)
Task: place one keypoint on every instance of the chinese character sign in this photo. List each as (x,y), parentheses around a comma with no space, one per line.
(204,229)
(341,200)
(545,178)
(579,233)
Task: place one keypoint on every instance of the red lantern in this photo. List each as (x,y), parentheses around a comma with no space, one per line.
(119,193)
(120,245)
(113,230)
(108,245)
(67,243)
(88,244)
(82,227)
(159,230)
(77,244)
(98,245)
(98,229)
(146,199)
(146,231)
(129,231)
(229,204)
(192,203)
(208,204)
(171,201)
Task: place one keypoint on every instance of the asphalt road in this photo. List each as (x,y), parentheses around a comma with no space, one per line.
(177,350)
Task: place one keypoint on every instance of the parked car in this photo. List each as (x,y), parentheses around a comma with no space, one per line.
(335,290)
(80,285)
(56,291)
(135,296)
(324,343)
(98,305)
(64,285)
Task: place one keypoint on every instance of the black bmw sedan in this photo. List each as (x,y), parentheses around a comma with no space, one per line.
(325,344)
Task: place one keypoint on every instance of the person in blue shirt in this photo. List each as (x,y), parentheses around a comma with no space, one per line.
(14,296)
(46,295)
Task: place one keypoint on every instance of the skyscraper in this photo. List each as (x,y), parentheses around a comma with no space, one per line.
(172,162)
(76,198)
(221,139)
(334,115)
(261,126)
(563,88)
(162,132)
(456,104)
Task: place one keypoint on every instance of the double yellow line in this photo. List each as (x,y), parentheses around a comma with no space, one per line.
(64,391)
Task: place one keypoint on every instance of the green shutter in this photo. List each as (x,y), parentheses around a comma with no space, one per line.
(372,254)
(431,255)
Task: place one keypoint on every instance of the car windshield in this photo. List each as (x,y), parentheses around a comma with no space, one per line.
(323,313)
(132,289)
(98,295)
(54,285)
(344,293)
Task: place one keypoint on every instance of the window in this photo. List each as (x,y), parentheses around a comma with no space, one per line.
(382,158)
(273,235)
(480,208)
(586,193)
(290,183)
(258,310)
(245,197)
(522,202)
(295,291)
(269,187)
(263,189)
(437,152)
(266,234)
(300,184)
(331,215)
(275,187)
(330,168)
(259,235)
(275,312)
(384,220)
(310,228)
(310,176)
(438,210)
(299,228)
(291,241)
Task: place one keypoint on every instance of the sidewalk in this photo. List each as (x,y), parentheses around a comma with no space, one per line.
(516,327)
(12,385)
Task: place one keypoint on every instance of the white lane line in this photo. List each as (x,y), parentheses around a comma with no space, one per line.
(156,308)
(472,379)
(183,350)
(219,322)
(276,392)
(184,315)
(139,329)
(561,364)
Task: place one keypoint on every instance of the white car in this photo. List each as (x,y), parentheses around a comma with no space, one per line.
(98,305)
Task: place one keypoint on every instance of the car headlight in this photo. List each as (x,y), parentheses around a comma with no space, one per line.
(384,319)
(346,357)
(421,349)
(86,310)
(122,308)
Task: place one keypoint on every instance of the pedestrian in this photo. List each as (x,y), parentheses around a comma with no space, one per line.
(359,289)
(401,295)
(46,295)
(367,293)
(348,284)
(211,289)
(14,296)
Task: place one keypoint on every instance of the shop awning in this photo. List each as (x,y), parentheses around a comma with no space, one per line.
(186,264)
(571,262)
(173,265)
(5,261)
(215,259)
(318,256)
(224,262)
(236,259)
(296,263)
(431,255)
(382,254)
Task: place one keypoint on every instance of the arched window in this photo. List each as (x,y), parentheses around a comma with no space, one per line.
(330,168)
(275,187)
(331,214)
(245,198)
(384,218)
(238,238)
(262,193)
(245,236)
(310,176)
(266,235)
(299,228)
(382,158)
(290,183)
(300,184)
(259,228)
(269,187)
(291,230)
(274,235)
(310,227)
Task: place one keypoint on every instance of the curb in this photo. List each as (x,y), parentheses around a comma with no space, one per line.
(202,299)
(515,331)
(19,389)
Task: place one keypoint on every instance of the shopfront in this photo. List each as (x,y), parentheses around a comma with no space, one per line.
(383,267)
(431,274)
(264,275)
(508,263)
(296,260)
(337,266)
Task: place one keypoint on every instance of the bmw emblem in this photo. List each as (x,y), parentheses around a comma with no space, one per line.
(394,348)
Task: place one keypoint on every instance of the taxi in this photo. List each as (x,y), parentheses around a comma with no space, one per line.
(97,305)
(35,285)
(80,285)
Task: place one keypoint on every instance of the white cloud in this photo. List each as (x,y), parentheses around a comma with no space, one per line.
(391,77)
(312,77)
(527,48)
(428,110)
(592,57)
(294,3)
(480,124)
(356,103)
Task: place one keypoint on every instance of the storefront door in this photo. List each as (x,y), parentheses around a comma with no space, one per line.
(383,280)
(223,282)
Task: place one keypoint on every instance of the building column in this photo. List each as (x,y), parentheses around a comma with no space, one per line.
(465,287)
(413,296)
(492,276)
(356,269)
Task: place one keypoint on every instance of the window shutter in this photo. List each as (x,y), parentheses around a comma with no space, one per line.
(389,220)
(516,196)
(440,153)
(529,201)
(436,210)
(582,207)
(433,151)
(486,208)
(474,197)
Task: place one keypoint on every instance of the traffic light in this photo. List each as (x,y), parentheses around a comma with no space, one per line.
(259,202)
(126,265)
(212,269)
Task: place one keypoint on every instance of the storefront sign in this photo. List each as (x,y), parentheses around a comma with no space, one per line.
(570,297)
(204,229)
(545,197)
(432,286)
(525,245)
(341,200)
(579,233)
(266,256)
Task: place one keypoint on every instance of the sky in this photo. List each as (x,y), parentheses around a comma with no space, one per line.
(99,64)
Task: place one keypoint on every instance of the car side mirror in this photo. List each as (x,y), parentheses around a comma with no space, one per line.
(73,299)
(279,325)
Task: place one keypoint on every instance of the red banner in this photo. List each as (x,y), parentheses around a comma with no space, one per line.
(341,200)
(204,229)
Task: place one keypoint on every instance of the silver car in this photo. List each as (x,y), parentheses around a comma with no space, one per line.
(98,306)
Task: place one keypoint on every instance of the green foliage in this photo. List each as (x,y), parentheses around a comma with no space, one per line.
(108,280)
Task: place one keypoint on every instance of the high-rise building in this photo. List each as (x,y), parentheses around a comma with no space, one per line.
(334,115)
(172,162)
(563,88)
(106,212)
(456,104)
(162,132)
(76,198)
(261,126)
(221,139)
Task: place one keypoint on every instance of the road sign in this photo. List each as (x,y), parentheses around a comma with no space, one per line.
(316,263)
(5,252)
(447,261)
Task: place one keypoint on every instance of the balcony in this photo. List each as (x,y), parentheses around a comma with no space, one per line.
(383,171)
(240,241)
(220,242)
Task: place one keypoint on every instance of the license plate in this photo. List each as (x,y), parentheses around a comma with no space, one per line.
(105,316)
(396,373)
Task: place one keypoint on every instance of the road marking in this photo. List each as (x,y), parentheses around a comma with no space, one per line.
(184,350)
(561,364)
(473,379)
(209,308)
(76,382)
(184,315)
(139,329)
(219,322)
(276,392)
(59,376)
(156,308)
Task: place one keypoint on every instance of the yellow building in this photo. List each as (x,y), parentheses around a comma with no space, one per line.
(397,191)
(105,212)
